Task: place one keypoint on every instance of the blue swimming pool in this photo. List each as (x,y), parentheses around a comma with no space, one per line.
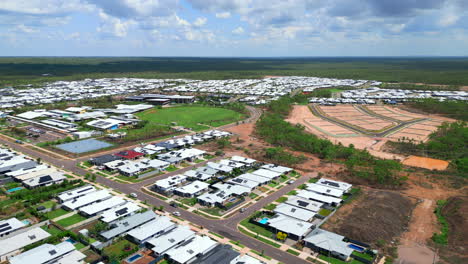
(355,247)
(14,189)
(71,240)
(134,258)
(264,221)
(26,222)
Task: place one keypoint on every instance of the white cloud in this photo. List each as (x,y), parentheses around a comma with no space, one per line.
(238,30)
(223,15)
(43,7)
(200,21)
(115,27)
(26,29)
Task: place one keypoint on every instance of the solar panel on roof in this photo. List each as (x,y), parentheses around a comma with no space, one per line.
(3,225)
(121,211)
(45,179)
(5,229)
(331,183)
(302,203)
(84,190)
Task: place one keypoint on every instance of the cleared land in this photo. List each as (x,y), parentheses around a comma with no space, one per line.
(374,216)
(194,117)
(370,118)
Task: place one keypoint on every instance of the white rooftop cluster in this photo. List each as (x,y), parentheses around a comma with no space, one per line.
(398,94)
(271,87)
(77,90)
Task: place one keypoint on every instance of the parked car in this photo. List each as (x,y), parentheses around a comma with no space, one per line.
(176,213)
(291,181)
(134,195)
(173,204)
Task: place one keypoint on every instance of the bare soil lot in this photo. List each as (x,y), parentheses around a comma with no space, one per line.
(428,163)
(419,131)
(373,216)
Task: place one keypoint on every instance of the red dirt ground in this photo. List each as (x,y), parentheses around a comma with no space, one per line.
(428,163)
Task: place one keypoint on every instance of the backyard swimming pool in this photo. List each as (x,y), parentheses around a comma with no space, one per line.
(264,221)
(134,258)
(355,247)
(14,189)
(26,222)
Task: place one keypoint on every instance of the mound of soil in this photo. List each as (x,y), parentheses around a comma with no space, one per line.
(375,215)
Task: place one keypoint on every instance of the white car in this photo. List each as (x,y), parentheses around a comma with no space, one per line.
(134,195)
(176,213)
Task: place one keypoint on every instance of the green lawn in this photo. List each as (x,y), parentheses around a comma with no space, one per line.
(71,220)
(253,195)
(324,212)
(79,245)
(121,249)
(191,116)
(48,204)
(273,184)
(56,213)
(51,230)
(212,211)
(270,207)
(294,252)
(282,199)
(256,228)
(189,201)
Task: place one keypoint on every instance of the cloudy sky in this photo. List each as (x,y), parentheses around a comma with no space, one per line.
(233,27)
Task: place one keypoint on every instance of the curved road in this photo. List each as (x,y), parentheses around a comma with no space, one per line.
(399,126)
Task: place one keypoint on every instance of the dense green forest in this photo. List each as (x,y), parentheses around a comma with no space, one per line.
(449,142)
(453,109)
(25,70)
(359,163)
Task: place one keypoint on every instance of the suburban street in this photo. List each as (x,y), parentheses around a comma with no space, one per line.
(226,227)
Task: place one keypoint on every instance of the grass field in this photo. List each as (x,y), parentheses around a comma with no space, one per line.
(71,220)
(56,213)
(191,116)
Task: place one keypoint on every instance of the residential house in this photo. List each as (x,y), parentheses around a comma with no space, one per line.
(187,252)
(13,245)
(167,241)
(192,189)
(328,243)
(64,252)
(154,228)
(296,229)
(124,225)
(119,212)
(167,185)
(87,199)
(9,226)
(294,212)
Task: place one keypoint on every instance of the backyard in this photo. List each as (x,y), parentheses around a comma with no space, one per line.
(71,220)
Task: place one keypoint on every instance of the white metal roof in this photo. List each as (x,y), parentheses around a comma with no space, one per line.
(21,240)
(295,212)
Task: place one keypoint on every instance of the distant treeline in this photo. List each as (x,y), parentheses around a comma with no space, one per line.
(25,70)
(450,108)
(359,163)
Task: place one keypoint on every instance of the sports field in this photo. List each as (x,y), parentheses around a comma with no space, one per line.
(195,117)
